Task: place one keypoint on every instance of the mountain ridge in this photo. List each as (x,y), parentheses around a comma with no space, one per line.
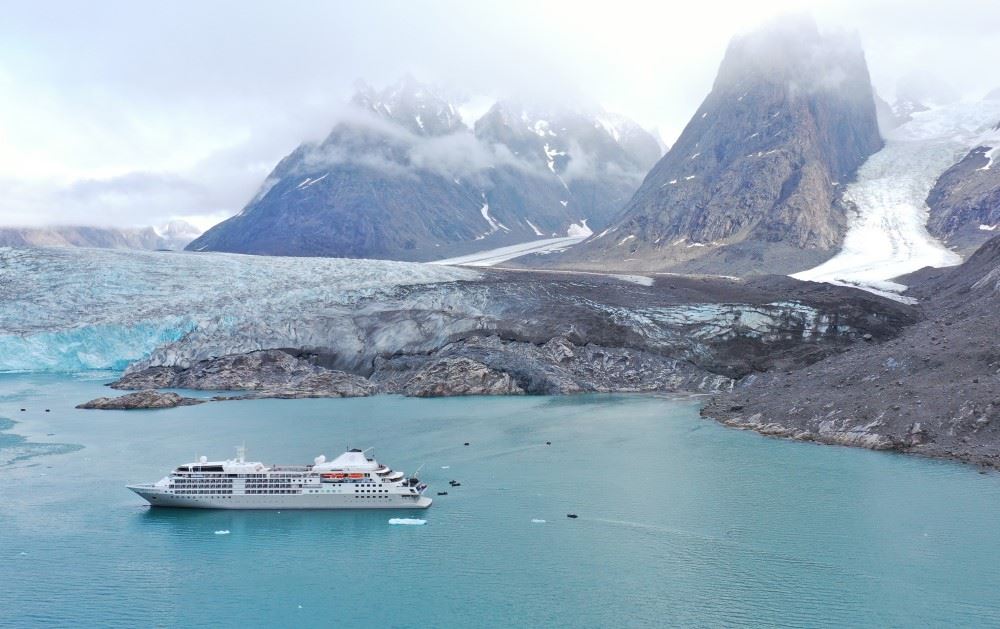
(401,176)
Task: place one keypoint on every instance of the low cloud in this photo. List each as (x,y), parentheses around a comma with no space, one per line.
(366,139)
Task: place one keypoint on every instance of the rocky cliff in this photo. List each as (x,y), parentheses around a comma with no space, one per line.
(965,202)
(402,177)
(752,183)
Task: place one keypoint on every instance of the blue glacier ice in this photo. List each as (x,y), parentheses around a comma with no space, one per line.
(68,310)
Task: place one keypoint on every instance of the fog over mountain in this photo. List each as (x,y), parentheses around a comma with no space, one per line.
(124,115)
(403,177)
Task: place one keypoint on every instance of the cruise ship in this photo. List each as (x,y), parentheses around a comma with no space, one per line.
(350,481)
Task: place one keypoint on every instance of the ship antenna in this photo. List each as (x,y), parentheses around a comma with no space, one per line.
(416,474)
(241,452)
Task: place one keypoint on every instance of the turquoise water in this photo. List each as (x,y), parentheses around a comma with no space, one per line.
(682,522)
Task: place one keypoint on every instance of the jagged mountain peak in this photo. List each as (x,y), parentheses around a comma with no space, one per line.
(791,50)
(554,134)
(751,183)
(419,107)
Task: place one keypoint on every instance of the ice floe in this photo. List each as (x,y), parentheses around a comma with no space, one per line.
(222,532)
(407,521)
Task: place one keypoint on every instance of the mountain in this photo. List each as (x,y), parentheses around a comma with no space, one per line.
(752,183)
(965,201)
(402,177)
(173,235)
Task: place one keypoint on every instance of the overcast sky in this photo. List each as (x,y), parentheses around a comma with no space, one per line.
(132,113)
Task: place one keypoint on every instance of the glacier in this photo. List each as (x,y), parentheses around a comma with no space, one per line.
(77,310)
(887,235)
(492,257)
(70,310)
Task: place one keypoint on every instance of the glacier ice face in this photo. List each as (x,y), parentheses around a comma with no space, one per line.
(71,310)
(887,237)
(77,309)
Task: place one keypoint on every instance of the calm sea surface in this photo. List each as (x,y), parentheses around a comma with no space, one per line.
(681,522)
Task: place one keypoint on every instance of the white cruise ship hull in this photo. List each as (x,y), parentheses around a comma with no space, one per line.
(158,497)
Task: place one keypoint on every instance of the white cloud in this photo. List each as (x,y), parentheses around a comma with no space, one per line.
(200,100)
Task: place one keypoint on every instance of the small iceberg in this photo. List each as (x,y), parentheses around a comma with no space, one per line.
(408,521)
(536,521)
(222,532)
(446,467)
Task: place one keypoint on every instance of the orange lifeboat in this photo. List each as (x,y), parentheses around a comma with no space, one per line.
(355,475)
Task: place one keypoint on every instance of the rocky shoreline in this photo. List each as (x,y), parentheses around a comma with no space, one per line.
(934,390)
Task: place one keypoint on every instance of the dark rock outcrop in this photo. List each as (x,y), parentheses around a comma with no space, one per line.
(965,202)
(933,390)
(557,367)
(268,373)
(402,177)
(751,185)
(454,375)
(140,400)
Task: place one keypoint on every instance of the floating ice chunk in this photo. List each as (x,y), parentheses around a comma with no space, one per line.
(222,532)
(537,521)
(445,467)
(407,521)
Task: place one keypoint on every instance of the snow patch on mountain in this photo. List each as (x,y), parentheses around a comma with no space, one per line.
(495,225)
(579,231)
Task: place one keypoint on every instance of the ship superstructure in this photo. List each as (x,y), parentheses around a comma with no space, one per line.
(350,481)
